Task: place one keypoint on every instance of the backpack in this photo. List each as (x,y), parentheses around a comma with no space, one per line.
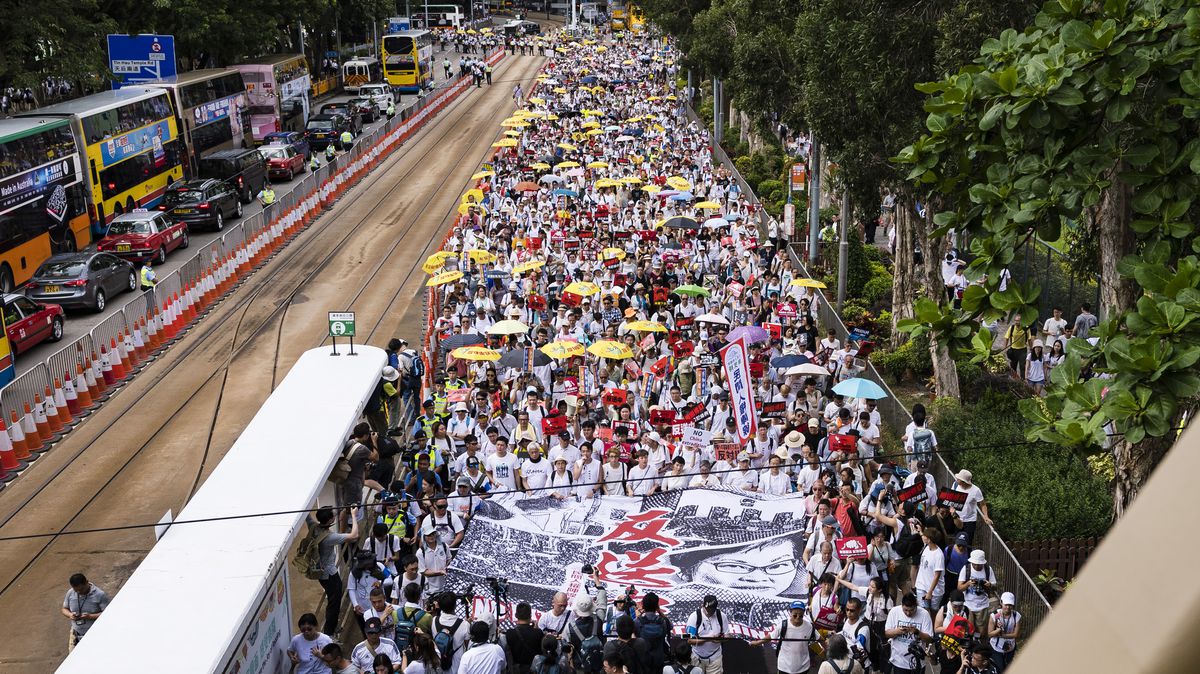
(308,555)
(444,640)
(416,369)
(406,624)
(547,666)
(590,656)
(922,441)
(720,621)
(654,632)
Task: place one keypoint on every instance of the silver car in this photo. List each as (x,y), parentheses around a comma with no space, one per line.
(85,279)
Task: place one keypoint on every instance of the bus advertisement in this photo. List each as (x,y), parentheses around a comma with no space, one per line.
(408,60)
(131,149)
(43,201)
(277,89)
(213,113)
(446,17)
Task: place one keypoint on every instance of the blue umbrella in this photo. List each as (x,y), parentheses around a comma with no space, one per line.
(733,216)
(788,361)
(682,196)
(860,388)
(565,193)
(589,79)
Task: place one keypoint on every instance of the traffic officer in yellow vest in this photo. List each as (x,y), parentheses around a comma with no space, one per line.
(399,521)
(347,139)
(487,72)
(266,197)
(148,279)
(425,422)
(391,109)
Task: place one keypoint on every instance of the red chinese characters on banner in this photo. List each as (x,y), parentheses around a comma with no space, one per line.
(644,570)
(643,526)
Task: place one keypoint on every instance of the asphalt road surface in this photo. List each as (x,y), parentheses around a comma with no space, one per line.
(149,447)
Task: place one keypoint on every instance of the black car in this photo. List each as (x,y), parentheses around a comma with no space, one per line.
(244,170)
(348,110)
(85,279)
(325,129)
(365,108)
(201,203)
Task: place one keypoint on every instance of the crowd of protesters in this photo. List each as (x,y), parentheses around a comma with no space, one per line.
(600,264)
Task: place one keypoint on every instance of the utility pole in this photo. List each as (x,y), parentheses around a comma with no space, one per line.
(843,248)
(716,111)
(814,201)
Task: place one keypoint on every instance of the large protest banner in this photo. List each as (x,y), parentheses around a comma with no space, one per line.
(742,547)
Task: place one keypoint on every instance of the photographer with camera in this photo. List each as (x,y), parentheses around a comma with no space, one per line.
(909,627)
(977,581)
(524,640)
(585,634)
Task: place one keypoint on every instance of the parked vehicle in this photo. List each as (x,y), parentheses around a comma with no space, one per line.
(202,203)
(244,170)
(79,280)
(282,162)
(347,110)
(325,129)
(365,108)
(144,235)
(380,95)
(295,139)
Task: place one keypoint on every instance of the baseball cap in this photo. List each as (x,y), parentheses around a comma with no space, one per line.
(797,605)
(886,470)
(743,456)
(472,461)
(373,626)
(1008,598)
(962,538)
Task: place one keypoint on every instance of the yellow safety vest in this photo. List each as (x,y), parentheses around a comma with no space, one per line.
(268,196)
(427,424)
(146,280)
(397,525)
(439,408)
(347,138)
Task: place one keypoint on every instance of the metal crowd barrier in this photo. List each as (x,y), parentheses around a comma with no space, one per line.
(151,321)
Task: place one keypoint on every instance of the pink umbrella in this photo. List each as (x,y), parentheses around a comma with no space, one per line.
(751,333)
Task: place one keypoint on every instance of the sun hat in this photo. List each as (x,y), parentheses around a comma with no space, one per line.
(964,476)
(794,440)
(977,557)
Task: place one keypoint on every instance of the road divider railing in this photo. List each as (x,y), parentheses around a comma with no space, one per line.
(45,401)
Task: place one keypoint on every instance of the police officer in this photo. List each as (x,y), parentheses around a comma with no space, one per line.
(330,153)
(347,139)
(266,197)
(487,72)
(314,162)
(391,109)
(148,279)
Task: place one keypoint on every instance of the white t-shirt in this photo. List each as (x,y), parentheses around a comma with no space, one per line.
(436,558)
(774,484)
(482,659)
(932,561)
(503,470)
(976,599)
(363,658)
(896,618)
(536,475)
(970,509)
(309,663)
(588,477)
(708,626)
(793,655)
(614,479)
(639,479)
(747,480)
(461,636)
(853,631)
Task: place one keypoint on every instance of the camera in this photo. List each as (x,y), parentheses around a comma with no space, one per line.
(499,585)
(917,651)
(587,569)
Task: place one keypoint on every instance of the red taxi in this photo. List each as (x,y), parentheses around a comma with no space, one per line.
(144,235)
(29,323)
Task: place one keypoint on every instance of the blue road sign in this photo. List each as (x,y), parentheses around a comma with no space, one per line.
(399,23)
(141,58)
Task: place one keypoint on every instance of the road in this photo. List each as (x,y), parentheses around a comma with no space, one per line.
(149,447)
(81,321)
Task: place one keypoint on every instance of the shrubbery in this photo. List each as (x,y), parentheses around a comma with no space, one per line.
(1034,491)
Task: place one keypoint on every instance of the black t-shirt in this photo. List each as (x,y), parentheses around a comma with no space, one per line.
(524,641)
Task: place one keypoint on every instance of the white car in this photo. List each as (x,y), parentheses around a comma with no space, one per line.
(379,94)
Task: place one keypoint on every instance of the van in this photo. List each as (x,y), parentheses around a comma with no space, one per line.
(244,170)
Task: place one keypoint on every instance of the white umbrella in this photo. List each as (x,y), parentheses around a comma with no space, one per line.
(713,223)
(712,318)
(508,327)
(625,139)
(807,368)
(550,178)
(575,172)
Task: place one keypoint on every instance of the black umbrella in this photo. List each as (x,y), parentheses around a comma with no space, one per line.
(682,222)
(788,361)
(454,341)
(516,358)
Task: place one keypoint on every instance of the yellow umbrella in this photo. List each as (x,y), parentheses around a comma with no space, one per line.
(563,349)
(709,205)
(592,113)
(595,132)
(606,348)
(466,206)
(566,146)
(679,183)
(475,353)
(505,142)
(508,327)
(528,266)
(590,125)
(512,132)
(567,164)
(515,123)
(481,256)
(540,166)
(582,288)
(807,283)
(601,49)
(559,90)
(597,164)
(627,62)
(647,326)
(444,278)
(537,101)
(631,180)
(470,31)
(439,258)
(652,188)
(654,98)
(606,182)
(551,117)
(473,194)
(483,174)
(611,253)
(672,98)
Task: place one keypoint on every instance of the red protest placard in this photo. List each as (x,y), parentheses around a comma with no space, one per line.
(632,369)
(534,243)
(786,310)
(647,234)
(604,433)
(774,410)
(683,349)
(662,416)
(854,547)
(622,234)
(571,244)
(537,302)
(458,395)
(846,444)
(684,322)
(586,234)
(661,295)
(727,451)
(629,426)
(776,330)
(615,396)
(735,288)
(916,493)
(757,369)
(611,262)
(570,386)
(953,498)
(555,424)
(571,299)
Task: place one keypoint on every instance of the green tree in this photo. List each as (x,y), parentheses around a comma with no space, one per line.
(1089,115)
(54,38)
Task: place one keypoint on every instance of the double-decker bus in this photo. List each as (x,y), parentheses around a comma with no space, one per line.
(212,110)
(448,17)
(277,89)
(408,60)
(130,146)
(359,71)
(636,19)
(43,195)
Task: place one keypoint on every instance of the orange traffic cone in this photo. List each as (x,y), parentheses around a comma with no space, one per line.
(42,421)
(19,443)
(129,353)
(106,366)
(114,357)
(52,415)
(33,437)
(82,392)
(70,398)
(139,340)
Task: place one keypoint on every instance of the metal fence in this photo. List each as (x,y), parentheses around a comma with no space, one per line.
(1039,262)
(1032,604)
(155,318)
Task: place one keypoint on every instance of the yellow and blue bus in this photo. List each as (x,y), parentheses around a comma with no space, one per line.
(408,60)
(43,196)
(130,144)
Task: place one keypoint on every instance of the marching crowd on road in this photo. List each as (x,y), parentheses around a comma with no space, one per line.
(601,264)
